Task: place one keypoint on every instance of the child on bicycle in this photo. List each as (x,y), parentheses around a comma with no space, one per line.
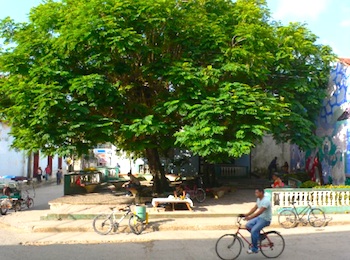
(258,217)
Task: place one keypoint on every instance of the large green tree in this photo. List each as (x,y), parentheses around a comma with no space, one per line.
(211,76)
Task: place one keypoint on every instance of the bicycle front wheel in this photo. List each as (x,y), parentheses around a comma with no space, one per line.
(30,203)
(228,247)
(136,224)
(287,218)
(316,217)
(272,244)
(103,224)
(200,195)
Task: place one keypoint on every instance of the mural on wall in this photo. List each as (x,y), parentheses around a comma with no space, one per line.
(333,128)
(297,159)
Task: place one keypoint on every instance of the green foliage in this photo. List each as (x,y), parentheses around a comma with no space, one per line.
(301,176)
(330,186)
(308,184)
(211,76)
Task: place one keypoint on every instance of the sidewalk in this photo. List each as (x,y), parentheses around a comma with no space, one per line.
(75,214)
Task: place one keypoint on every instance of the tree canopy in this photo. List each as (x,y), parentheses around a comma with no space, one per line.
(211,76)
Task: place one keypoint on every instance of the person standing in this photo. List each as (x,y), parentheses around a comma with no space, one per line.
(47,172)
(272,167)
(258,217)
(39,174)
(59,176)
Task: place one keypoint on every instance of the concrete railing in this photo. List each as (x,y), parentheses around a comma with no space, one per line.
(331,200)
(228,171)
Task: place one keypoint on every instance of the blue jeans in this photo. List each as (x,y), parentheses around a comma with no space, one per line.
(254,226)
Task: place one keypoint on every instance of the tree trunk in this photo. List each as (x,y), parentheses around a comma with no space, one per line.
(159,181)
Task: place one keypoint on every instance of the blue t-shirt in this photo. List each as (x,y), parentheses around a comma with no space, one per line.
(265,203)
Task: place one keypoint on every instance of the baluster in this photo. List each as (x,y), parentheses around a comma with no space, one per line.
(328,202)
(282,199)
(343,194)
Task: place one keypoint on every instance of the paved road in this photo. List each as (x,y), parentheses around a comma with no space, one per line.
(301,243)
(46,193)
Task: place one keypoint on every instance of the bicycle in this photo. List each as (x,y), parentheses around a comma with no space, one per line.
(197,192)
(103,224)
(229,246)
(290,217)
(27,201)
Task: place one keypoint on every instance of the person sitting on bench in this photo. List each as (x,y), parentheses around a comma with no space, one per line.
(132,183)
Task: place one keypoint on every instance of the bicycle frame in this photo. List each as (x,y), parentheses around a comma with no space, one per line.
(118,221)
(303,212)
(241,236)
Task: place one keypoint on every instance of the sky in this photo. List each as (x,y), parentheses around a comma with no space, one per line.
(328,19)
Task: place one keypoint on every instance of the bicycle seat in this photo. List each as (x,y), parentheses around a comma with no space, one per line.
(127,208)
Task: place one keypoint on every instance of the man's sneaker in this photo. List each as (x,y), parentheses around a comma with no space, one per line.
(251,252)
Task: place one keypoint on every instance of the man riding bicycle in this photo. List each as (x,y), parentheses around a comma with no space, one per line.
(259,217)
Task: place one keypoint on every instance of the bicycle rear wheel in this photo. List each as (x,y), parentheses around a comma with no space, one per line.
(272,244)
(3,211)
(287,218)
(136,224)
(228,247)
(200,195)
(30,203)
(316,217)
(103,224)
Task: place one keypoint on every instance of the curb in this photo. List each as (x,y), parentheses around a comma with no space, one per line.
(154,226)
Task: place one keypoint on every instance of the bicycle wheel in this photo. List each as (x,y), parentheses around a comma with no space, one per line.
(228,247)
(30,203)
(136,224)
(17,206)
(316,217)
(3,211)
(272,244)
(103,224)
(200,195)
(287,218)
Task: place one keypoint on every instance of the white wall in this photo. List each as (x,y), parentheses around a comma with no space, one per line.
(12,162)
(264,153)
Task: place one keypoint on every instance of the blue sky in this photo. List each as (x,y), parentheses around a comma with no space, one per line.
(328,19)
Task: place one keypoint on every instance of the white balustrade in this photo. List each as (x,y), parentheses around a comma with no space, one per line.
(320,198)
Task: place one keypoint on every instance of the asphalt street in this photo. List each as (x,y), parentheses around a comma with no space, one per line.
(302,243)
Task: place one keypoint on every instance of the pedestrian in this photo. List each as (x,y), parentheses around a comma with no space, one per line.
(272,167)
(285,167)
(59,176)
(39,174)
(47,172)
(258,217)
(277,182)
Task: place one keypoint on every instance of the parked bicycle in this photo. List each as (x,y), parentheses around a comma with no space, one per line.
(26,201)
(196,191)
(103,224)
(290,217)
(271,243)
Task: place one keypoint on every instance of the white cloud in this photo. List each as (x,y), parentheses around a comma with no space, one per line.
(300,10)
(345,23)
